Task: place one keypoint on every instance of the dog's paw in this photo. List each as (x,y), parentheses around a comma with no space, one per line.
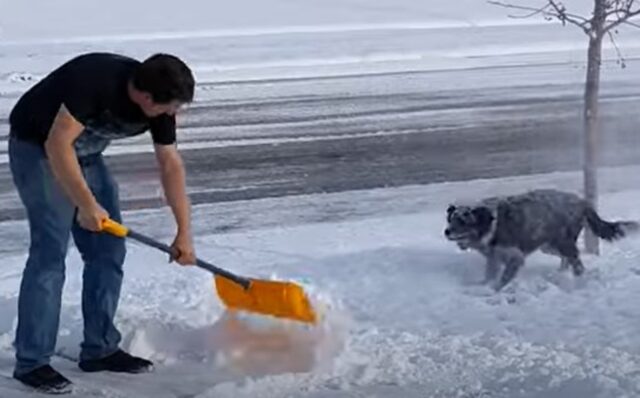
(502,288)
(489,280)
(479,291)
(479,282)
(497,285)
(578,270)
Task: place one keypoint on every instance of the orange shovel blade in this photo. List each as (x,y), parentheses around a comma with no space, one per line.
(274,298)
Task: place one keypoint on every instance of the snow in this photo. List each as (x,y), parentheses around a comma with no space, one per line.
(402,310)
(403,314)
(120,16)
(279,38)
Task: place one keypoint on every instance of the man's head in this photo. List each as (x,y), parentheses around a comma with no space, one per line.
(162,84)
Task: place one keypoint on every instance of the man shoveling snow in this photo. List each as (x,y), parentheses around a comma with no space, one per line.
(59,130)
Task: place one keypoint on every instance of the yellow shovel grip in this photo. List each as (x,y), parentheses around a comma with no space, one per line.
(114,228)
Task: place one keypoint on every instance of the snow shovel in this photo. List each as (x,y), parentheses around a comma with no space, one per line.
(274,298)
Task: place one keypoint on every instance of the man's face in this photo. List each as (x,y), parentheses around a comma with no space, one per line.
(153,109)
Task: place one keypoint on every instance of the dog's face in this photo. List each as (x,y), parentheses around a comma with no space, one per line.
(467,225)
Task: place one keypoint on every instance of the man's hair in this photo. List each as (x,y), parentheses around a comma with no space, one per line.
(166,78)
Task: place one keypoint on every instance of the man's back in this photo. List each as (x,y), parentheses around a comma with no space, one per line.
(93,87)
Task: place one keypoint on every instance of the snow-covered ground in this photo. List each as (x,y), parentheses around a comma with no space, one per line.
(403,314)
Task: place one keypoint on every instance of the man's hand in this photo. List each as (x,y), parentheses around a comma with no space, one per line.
(183,251)
(91,217)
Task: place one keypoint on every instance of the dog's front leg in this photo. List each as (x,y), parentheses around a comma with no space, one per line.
(513,260)
(491,268)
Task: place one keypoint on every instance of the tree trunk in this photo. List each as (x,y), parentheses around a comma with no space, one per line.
(592,88)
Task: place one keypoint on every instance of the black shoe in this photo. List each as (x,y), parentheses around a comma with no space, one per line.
(119,361)
(46,379)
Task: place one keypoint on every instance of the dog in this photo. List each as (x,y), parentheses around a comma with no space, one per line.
(506,229)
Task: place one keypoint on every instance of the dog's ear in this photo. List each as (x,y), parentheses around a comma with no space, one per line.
(450,211)
(483,215)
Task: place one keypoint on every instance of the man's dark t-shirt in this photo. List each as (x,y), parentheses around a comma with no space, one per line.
(93,87)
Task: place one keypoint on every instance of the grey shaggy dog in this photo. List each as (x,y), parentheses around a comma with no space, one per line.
(507,229)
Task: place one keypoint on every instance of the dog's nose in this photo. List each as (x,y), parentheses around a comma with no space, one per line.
(447,232)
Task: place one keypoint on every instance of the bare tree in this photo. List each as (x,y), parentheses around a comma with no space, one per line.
(606,17)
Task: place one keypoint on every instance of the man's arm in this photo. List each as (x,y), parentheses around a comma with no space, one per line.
(173,178)
(64,165)
(174,184)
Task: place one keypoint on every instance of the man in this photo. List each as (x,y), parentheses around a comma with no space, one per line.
(59,129)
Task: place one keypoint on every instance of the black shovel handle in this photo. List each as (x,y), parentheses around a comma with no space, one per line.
(244,282)
(119,230)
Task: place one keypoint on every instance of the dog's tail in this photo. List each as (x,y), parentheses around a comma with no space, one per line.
(609,230)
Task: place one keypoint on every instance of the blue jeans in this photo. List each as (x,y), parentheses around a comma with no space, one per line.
(51,217)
